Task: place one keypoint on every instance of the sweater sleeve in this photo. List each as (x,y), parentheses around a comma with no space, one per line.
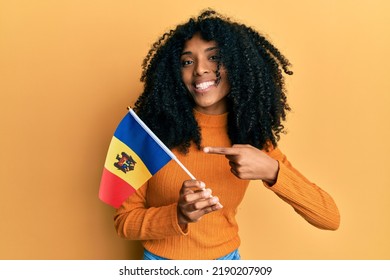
(135,221)
(311,202)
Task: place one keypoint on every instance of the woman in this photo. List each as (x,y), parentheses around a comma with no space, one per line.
(214,94)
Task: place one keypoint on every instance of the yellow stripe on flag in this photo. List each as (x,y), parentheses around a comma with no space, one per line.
(136,177)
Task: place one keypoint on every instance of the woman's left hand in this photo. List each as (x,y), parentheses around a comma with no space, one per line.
(248,162)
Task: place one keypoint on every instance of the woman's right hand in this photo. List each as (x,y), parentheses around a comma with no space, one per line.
(195,201)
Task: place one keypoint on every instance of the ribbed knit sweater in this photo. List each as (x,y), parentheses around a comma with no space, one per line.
(150,215)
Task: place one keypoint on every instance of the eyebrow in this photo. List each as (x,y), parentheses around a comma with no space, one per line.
(206,50)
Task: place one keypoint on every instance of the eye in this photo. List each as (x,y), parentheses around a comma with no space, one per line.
(185,63)
(215,58)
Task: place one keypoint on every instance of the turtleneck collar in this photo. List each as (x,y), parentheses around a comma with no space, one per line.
(205,120)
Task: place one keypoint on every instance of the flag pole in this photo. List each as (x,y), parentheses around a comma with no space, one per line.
(160,143)
(184,168)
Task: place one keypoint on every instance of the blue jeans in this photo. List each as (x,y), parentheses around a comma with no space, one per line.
(235,255)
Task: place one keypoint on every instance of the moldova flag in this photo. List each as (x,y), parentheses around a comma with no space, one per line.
(135,154)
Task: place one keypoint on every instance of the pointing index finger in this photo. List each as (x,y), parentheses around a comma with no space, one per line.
(221,150)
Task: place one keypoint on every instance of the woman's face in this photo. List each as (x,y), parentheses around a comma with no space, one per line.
(199,62)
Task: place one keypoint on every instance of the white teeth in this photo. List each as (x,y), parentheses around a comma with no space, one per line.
(204,85)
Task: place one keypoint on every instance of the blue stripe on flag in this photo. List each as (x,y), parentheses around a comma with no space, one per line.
(133,135)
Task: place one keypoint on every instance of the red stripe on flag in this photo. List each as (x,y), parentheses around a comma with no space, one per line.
(113,190)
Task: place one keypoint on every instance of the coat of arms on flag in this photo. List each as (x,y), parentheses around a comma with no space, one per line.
(125,162)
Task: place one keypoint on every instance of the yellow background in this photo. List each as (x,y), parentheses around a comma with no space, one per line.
(68,70)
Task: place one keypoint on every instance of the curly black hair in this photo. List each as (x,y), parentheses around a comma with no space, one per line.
(257,102)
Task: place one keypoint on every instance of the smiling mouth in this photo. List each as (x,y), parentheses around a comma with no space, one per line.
(204,85)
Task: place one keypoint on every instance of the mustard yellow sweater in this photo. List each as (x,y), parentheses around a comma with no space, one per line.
(150,214)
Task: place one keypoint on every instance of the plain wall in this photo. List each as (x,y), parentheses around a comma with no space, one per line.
(69,69)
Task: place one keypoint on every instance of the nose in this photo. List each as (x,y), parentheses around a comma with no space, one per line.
(201,68)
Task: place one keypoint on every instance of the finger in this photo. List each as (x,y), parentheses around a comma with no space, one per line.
(201,206)
(207,210)
(190,185)
(232,164)
(222,150)
(201,195)
(217,206)
(196,215)
(242,146)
